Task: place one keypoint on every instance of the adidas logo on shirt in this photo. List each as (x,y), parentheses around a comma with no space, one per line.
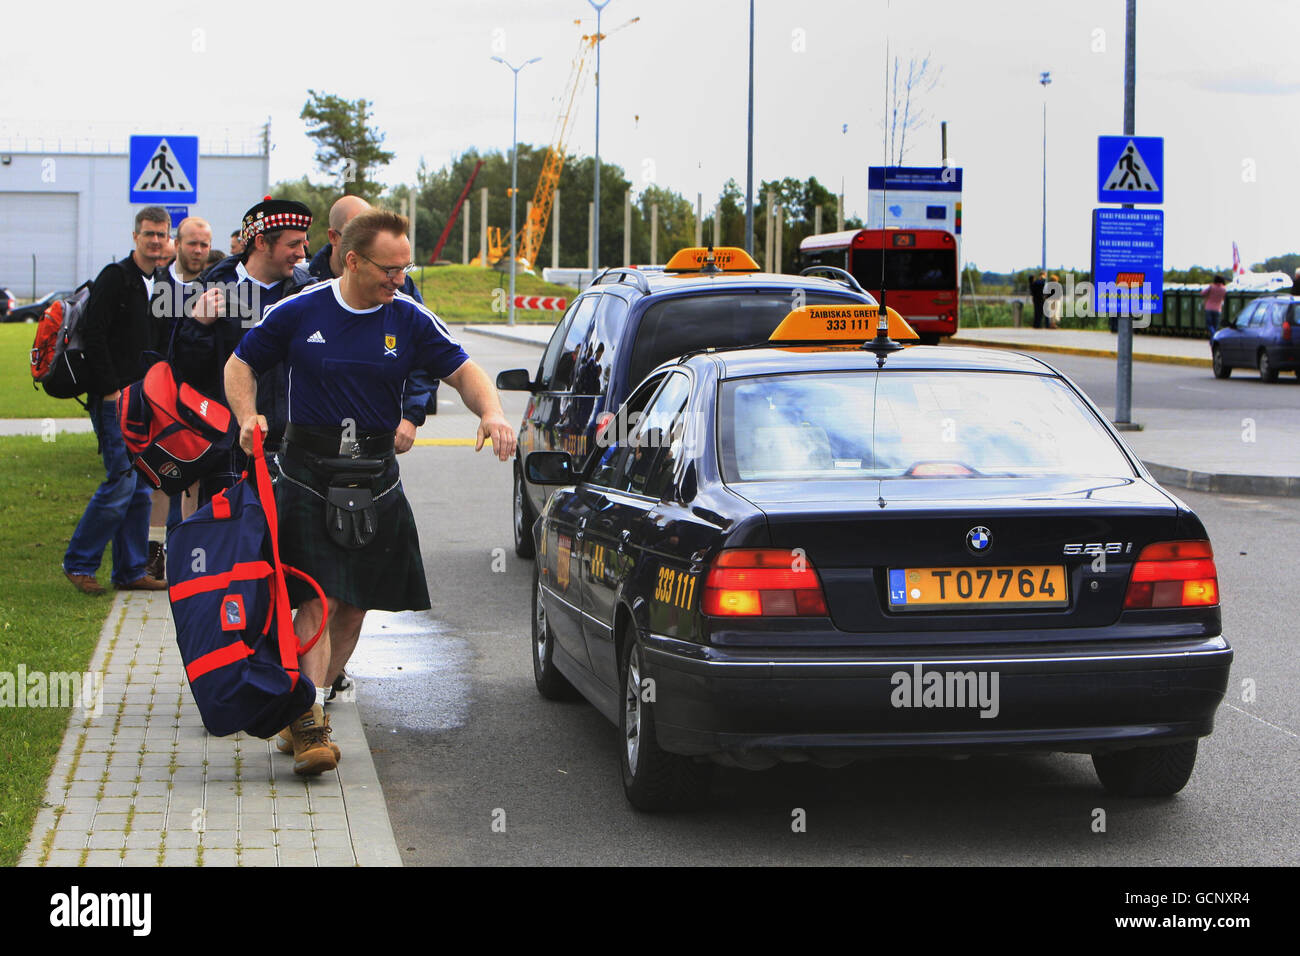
(317,337)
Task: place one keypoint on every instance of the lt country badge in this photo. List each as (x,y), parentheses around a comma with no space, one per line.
(390,346)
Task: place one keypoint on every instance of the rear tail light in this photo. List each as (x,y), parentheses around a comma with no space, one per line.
(1286,331)
(763,582)
(1174,574)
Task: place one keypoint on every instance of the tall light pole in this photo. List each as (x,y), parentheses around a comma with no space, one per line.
(514,176)
(749,155)
(1045,78)
(595,239)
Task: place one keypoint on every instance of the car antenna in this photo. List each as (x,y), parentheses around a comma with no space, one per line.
(710,266)
(882,345)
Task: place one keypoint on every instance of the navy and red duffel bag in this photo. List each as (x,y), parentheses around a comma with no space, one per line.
(234,623)
(174,434)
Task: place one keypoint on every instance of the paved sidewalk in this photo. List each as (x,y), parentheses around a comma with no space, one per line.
(143,784)
(1164,349)
(1198,450)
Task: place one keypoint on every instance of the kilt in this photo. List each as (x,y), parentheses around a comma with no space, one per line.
(385,575)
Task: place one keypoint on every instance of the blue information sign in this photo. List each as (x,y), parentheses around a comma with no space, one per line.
(177,213)
(1131,169)
(164,169)
(1128,258)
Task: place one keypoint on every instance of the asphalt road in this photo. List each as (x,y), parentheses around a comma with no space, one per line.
(1157,386)
(478,769)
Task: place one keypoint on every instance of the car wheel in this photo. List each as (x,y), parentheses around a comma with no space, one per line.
(1267,371)
(928,338)
(1221,368)
(551,684)
(1146,771)
(524,519)
(653,779)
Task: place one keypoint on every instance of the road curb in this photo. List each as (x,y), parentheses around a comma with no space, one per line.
(507,336)
(1090,353)
(1276,486)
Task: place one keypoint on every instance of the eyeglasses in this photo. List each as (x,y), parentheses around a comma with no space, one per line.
(389,273)
(150,234)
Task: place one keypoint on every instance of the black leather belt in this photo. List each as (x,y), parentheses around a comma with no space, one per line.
(332,443)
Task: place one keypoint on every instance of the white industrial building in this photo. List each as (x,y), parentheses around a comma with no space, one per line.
(65,215)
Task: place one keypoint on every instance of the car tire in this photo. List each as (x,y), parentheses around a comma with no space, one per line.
(551,684)
(653,779)
(928,338)
(1221,368)
(1146,771)
(1267,370)
(522,517)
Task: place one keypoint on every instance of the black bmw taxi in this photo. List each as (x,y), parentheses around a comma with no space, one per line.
(822,550)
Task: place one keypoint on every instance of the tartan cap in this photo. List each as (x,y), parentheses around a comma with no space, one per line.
(274,214)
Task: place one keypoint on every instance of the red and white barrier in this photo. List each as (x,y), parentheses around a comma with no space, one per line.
(548,303)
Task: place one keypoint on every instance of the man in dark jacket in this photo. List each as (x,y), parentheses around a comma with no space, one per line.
(238,290)
(421,393)
(118,330)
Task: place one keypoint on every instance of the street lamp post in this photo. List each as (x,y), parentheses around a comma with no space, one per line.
(595,238)
(514,177)
(1045,79)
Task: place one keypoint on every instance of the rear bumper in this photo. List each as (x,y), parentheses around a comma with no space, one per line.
(1081,699)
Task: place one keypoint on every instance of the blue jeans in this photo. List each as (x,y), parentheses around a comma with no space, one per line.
(1212,320)
(118,510)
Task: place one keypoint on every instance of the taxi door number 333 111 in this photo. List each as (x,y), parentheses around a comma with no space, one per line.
(675,587)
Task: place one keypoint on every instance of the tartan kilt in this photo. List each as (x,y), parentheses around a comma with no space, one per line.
(386,575)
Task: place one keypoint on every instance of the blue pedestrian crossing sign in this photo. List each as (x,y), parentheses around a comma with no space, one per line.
(1131,169)
(164,169)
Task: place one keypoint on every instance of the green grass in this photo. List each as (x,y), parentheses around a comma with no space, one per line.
(17,397)
(999,315)
(44,623)
(472,294)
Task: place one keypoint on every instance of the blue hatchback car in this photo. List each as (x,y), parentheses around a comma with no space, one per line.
(1263,336)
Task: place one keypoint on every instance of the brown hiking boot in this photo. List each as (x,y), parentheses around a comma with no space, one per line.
(156,566)
(312,753)
(85,583)
(145,583)
(284,743)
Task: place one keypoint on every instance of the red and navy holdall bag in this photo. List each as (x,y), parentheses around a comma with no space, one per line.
(234,623)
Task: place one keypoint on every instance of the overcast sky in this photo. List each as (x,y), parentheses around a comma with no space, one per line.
(1220,81)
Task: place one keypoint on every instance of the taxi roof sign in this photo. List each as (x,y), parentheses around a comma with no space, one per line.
(725,258)
(840,324)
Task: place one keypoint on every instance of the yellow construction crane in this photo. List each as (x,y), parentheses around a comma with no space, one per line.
(529,240)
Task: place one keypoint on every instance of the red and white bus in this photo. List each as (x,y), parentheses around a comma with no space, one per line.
(920,271)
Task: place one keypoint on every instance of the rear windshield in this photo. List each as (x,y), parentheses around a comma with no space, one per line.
(933,424)
(925,270)
(683,324)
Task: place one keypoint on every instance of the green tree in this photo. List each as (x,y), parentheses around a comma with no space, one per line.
(676,222)
(346,145)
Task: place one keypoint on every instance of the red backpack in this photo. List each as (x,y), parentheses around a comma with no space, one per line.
(174,434)
(57,360)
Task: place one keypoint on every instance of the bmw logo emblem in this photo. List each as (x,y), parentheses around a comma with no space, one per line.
(979,540)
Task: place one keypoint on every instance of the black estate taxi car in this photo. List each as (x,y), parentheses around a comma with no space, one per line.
(627,322)
(802,552)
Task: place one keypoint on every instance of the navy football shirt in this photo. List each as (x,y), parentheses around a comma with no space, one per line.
(343,364)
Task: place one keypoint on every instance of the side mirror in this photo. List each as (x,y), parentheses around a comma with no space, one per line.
(549,468)
(515,380)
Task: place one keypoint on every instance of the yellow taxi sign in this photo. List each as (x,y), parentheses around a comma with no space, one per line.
(840,323)
(726,258)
